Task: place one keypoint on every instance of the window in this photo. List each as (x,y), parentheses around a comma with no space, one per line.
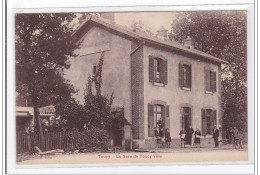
(94,69)
(209,119)
(157,115)
(186,118)
(210,81)
(185,76)
(157,70)
(158,112)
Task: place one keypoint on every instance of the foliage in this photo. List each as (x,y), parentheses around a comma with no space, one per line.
(98,138)
(43,45)
(97,106)
(68,112)
(139,26)
(221,34)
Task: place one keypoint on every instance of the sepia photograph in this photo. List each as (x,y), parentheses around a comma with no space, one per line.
(131,87)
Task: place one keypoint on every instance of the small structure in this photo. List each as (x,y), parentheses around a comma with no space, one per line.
(25,119)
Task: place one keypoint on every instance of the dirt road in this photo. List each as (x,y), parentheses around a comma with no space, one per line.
(139,157)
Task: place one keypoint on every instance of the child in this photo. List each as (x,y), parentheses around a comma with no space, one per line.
(182,136)
(161,134)
(156,135)
(167,138)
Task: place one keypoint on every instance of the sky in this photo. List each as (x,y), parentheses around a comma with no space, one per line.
(152,20)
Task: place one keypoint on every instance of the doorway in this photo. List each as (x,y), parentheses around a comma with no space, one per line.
(117,132)
(186,118)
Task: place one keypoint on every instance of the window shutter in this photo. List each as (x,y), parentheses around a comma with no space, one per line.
(212,121)
(150,120)
(214,82)
(215,117)
(165,72)
(167,111)
(207,80)
(211,81)
(190,76)
(203,122)
(180,75)
(181,118)
(163,114)
(162,76)
(151,69)
(167,118)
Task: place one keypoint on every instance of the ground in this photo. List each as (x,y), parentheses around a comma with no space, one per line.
(159,155)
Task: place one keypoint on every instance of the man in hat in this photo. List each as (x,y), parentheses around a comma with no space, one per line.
(215,135)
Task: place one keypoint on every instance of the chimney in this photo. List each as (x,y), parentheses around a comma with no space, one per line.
(162,33)
(110,17)
(189,42)
(137,27)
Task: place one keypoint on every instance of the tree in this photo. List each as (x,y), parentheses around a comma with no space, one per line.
(221,34)
(139,26)
(97,106)
(43,44)
(70,113)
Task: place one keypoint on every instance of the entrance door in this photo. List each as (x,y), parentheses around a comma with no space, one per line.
(117,131)
(186,118)
(187,122)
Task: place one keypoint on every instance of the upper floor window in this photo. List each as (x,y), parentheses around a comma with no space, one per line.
(94,69)
(210,81)
(185,76)
(157,70)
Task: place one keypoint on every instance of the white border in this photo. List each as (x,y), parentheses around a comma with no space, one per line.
(159,168)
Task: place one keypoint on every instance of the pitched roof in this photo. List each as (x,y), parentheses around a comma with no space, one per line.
(146,37)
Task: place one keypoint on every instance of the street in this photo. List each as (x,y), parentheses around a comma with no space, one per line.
(156,156)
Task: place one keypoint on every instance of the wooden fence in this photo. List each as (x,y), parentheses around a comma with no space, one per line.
(26,142)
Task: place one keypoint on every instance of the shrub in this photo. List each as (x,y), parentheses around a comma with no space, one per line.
(90,138)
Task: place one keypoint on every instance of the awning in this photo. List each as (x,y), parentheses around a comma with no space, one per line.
(23,114)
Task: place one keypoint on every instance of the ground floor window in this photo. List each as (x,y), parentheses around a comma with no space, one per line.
(186,118)
(208,120)
(158,118)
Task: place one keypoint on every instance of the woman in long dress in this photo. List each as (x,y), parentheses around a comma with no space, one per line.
(197,137)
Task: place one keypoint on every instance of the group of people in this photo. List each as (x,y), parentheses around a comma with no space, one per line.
(190,137)
(235,137)
(163,137)
(186,137)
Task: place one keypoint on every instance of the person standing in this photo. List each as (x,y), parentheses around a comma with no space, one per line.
(156,135)
(231,135)
(161,134)
(182,136)
(167,138)
(215,136)
(236,137)
(197,137)
(189,133)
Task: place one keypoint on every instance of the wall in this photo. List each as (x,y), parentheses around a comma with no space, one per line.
(116,68)
(137,87)
(173,95)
